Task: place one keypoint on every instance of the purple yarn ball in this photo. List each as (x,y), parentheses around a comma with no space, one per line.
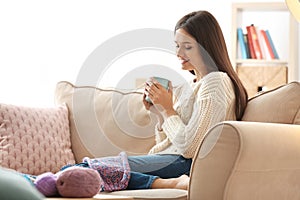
(46,184)
(78,182)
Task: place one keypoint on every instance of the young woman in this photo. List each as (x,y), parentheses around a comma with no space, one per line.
(185,114)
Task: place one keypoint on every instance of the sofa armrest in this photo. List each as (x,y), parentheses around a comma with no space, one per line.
(247,160)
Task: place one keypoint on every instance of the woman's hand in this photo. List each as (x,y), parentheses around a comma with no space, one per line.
(162,99)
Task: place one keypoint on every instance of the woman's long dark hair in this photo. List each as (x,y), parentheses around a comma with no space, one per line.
(205,29)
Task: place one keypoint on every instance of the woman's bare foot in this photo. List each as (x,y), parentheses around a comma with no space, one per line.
(181,182)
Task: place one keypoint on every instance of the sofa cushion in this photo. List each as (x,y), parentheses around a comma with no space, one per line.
(13,186)
(34,140)
(280,105)
(104,122)
(161,194)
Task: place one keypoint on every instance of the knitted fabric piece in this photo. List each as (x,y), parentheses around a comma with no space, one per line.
(114,171)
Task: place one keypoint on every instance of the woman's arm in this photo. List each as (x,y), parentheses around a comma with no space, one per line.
(210,106)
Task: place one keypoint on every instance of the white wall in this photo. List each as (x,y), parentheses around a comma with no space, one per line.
(46,41)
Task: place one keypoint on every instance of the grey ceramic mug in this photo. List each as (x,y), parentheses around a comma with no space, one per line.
(164,82)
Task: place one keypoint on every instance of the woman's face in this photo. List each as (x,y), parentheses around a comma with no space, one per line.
(188,51)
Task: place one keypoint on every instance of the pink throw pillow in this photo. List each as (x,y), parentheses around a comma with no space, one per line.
(34,140)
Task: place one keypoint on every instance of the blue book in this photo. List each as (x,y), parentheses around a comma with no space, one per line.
(272,44)
(242,43)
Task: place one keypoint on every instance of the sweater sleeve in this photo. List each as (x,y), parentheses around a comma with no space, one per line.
(209,108)
(159,135)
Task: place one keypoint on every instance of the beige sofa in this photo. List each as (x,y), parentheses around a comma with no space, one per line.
(256,158)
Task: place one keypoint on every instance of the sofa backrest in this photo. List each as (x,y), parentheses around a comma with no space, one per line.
(104,122)
(280,105)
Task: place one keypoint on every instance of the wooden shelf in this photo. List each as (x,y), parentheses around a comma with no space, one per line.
(291,61)
(248,62)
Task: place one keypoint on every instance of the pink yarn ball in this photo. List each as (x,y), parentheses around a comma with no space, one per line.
(78,182)
(46,184)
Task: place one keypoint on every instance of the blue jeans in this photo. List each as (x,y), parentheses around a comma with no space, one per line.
(145,169)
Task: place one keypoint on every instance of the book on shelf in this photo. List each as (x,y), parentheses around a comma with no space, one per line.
(250,45)
(272,44)
(262,44)
(242,43)
(267,45)
(256,44)
(253,39)
(247,45)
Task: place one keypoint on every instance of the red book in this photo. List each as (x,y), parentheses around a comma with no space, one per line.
(267,43)
(250,44)
(251,30)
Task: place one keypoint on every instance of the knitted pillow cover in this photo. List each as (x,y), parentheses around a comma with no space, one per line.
(34,140)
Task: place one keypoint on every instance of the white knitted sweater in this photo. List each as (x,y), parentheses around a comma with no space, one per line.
(199,106)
